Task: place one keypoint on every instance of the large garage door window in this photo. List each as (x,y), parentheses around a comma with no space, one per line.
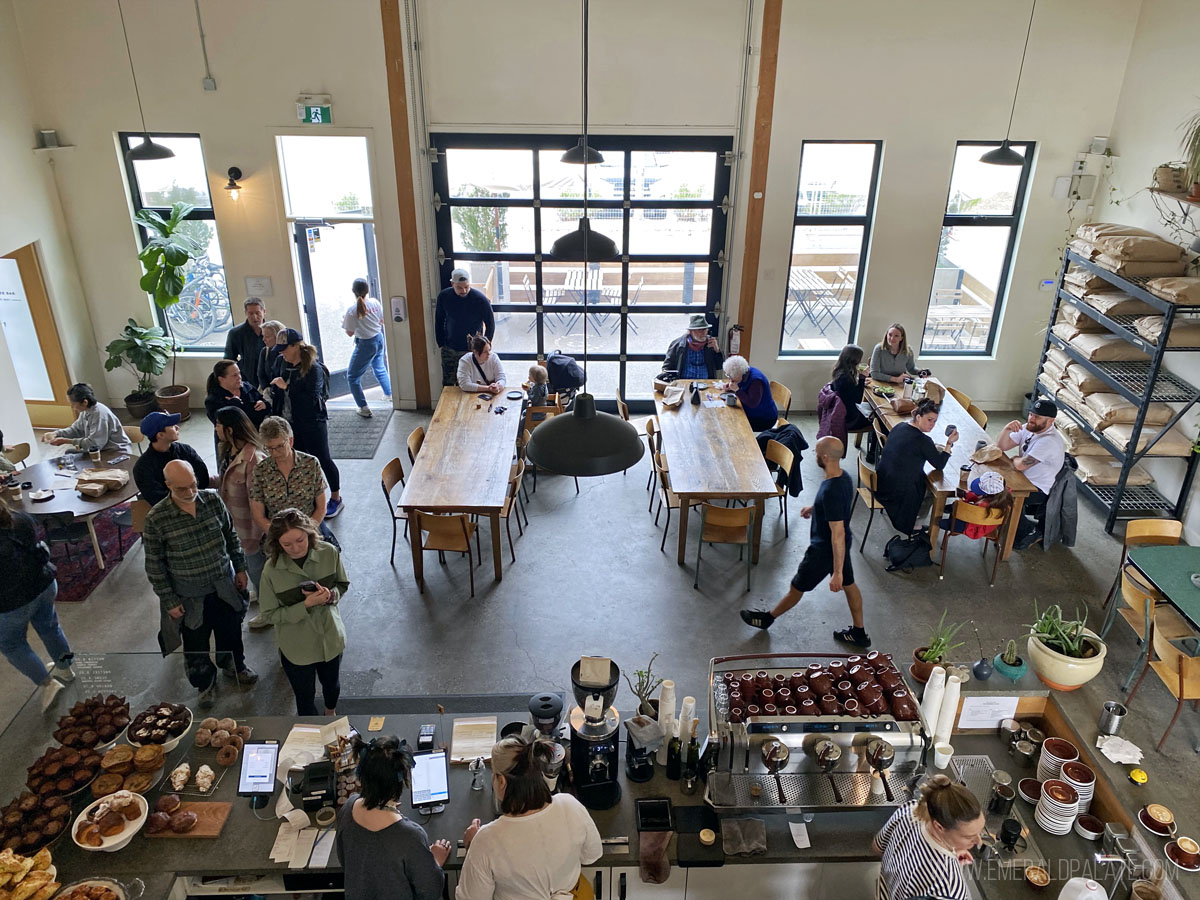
(503,200)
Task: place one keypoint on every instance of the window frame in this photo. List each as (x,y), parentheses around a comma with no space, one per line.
(1012,220)
(866,221)
(204,214)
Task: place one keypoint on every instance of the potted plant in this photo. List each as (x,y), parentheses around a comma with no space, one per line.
(645,686)
(164,259)
(1008,663)
(1191,154)
(925,658)
(144,352)
(1064,653)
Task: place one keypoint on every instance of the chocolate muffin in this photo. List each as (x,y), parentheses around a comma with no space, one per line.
(72,758)
(54,827)
(89,738)
(27,802)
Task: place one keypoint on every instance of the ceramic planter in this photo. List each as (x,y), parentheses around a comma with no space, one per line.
(140,405)
(1011,672)
(920,669)
(1065,673)
(174,399)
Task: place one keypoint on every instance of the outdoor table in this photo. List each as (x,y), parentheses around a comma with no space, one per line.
(1169,569)
(946,482)
(464,464)
(46,475)
(573,293)
(713,455)
(812,296)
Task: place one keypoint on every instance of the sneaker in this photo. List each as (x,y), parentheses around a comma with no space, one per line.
(852,635)
(365,412)
(758,618)
(208,696)
(258,623)
(246,676)
(51,688)
(1028,541)
(62,672)
(333,507)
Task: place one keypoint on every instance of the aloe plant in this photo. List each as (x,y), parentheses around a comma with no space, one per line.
(1065,636)
(939,640)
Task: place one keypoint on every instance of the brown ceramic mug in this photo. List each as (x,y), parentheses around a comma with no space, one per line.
(853,660)
(868,693)
(770,709)
(753,710)
(801,692)
(736,714)
(821,683)
(808,707)
(837,668)
(903,707)
(829,705)
(789,710)
(762,679)
(783,696)
(844,690)
(796,680)
(889,678)
(851,707)
(765,696)
(876,707)
(778,681)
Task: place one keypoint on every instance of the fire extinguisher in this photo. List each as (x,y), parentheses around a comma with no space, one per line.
(735,339)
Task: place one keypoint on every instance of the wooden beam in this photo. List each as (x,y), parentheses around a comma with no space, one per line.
(764,112)
(393,51)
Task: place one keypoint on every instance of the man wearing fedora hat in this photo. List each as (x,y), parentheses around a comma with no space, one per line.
(695,354)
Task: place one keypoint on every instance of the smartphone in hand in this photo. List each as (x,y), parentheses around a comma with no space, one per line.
(308,587)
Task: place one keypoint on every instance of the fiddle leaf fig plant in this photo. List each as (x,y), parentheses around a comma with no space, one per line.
(166,254)
(143,351)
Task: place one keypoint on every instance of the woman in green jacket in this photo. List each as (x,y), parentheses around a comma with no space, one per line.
(298,593)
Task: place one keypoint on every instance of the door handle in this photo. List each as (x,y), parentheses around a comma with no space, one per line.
(597,888)
(621,888)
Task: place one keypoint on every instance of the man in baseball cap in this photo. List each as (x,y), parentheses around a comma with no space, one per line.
(1040,454)
(162,431)
(462,311)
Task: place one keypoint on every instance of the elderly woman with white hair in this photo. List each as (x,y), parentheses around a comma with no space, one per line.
(753,390)
(539,843)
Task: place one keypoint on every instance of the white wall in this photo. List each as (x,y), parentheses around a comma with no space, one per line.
(1159,93)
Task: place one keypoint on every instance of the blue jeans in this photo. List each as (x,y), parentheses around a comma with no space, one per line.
(14,642)
(368,352)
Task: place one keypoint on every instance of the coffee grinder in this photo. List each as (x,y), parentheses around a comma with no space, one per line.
(545,715)
(595,740)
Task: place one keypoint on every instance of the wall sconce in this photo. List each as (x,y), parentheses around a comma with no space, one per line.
(233,187)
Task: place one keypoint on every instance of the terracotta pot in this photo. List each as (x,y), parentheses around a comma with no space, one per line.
(140,405)
(922,669)
(1194,193)
(174,399)
(1065,673)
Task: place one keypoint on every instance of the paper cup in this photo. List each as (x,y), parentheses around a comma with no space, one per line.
(941,755)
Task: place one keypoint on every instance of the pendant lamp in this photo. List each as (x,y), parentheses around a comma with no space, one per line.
(582,155)
(585,442)
(1005,155)
(148,149)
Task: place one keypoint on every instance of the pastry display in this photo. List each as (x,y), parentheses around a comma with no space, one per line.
(180,775)
(27,877)
(159,723)
(138,782)
(118,760)
(183,822)
(62,770)
(149,758)
(31,821)
(108,783)
(97,720)
(226,756)
(108,818)
(204,779)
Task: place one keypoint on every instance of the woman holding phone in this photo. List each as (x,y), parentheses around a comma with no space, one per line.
(301,584)
(903,489)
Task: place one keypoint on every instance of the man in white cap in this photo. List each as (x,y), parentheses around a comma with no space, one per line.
(695,354)
(462,311)
(1041,453)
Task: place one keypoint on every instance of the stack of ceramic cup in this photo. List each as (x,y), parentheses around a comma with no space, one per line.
(1057,808)
(1083,779)
(1055,752)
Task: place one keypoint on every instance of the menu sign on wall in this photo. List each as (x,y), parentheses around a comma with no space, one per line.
(21,336)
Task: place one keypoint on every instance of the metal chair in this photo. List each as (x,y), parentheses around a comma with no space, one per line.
(867,482)
(1178,671)
(1138,533)
(638,423)
(783,458)
(17,454)
(513,500)
(416,438)
(392,475)
(65,529)
(970,514)
(451,533)
(726,525)
(654,445)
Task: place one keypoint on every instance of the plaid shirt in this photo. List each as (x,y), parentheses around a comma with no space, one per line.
(299,489)
(189,548)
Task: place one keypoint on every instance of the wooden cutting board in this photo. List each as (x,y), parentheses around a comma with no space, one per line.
(210,819)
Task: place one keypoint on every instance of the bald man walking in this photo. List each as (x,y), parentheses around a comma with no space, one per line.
(828,553)
(197,568)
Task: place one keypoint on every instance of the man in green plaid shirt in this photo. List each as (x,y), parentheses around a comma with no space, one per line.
(197,568)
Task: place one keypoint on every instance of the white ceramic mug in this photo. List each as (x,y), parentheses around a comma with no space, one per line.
(941,755)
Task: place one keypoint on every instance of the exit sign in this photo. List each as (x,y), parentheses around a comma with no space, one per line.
(315,115)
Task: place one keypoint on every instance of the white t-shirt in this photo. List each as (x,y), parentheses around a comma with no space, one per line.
(1047,448)
(369,325)
(532,857)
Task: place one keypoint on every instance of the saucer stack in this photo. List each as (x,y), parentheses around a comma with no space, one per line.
(1057,808)
(1083,779)
(1055,752)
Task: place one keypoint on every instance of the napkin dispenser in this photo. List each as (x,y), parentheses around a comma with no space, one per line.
(314,784)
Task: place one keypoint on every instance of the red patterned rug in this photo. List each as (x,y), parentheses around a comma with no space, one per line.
(78,573)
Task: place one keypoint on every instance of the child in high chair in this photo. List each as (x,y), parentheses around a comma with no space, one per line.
(539,389)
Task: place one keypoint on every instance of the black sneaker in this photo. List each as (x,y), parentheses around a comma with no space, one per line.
(1028,541)
(852,635)
(758,618)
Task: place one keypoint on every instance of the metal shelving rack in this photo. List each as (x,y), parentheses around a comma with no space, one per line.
(1141,383)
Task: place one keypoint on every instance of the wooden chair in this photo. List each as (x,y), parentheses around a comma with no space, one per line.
(654,445)
(392,475)
(1178,671)
(416,438)
(962,398)
(17,454)
(1139,533)
(666,497)
(135,437)
(970,514)
(451,533)
(639,423)
(513,500)
(554,407)
(867,484)
(782,395)
(1146,605)
(880,434)
(133,518)
(978,415)
(521,456)
(782,457)
(726,525)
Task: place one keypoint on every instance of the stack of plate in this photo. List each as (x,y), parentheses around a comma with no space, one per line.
(1083,779)
(1055,752)
(1057,808)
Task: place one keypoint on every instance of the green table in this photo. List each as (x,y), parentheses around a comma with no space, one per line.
(1169,569)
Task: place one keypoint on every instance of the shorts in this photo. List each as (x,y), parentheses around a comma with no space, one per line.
(817,565)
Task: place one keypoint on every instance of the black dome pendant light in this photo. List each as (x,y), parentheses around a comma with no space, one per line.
(585,442)
(146,150)
(1005,155)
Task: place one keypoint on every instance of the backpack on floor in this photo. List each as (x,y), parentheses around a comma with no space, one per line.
(907,553)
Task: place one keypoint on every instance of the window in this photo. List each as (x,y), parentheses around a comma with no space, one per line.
(979,233)
(507,198)
(834,208)
(202,317)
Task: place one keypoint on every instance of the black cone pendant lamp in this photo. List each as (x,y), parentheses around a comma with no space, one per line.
(147,149)
(1005,155)
(585,442)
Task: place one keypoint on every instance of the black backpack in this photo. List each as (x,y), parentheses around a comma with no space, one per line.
(565,375)
(907,553)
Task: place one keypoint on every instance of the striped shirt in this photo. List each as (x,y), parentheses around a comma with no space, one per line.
(914,865)
(184,549)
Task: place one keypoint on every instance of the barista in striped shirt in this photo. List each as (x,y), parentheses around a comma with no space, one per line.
(927,842)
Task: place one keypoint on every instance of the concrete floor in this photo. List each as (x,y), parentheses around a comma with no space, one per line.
(589,579)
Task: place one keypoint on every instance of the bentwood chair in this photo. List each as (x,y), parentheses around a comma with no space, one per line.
(17,454)
(783,458)
(726,525)
(867,483)
(654,445)
(451,533)
(970,514)
(1139,533)
(1178,671)
(135,436)
(962,398)
(416,438)
(978,415)
(1146,605)
(392,475)
(512,500)
(782,395)
(666,497)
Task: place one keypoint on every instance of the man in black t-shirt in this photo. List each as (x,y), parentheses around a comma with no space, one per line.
(162,431)
(828,553)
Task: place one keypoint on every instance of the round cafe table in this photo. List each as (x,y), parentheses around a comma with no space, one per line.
(46,475)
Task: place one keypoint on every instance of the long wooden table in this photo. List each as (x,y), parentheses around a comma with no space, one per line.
(464,464)
(713,455)
(945,483)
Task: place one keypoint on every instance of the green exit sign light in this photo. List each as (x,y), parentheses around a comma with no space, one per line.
(315,115)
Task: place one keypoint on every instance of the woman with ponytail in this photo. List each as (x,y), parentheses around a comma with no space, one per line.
(383,853)
(538,845)
(926,843)
(364,322)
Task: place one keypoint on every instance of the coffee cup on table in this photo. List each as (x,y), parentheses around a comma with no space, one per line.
(942,753)
(94,454)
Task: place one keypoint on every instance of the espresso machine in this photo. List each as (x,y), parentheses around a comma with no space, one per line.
(595,740)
